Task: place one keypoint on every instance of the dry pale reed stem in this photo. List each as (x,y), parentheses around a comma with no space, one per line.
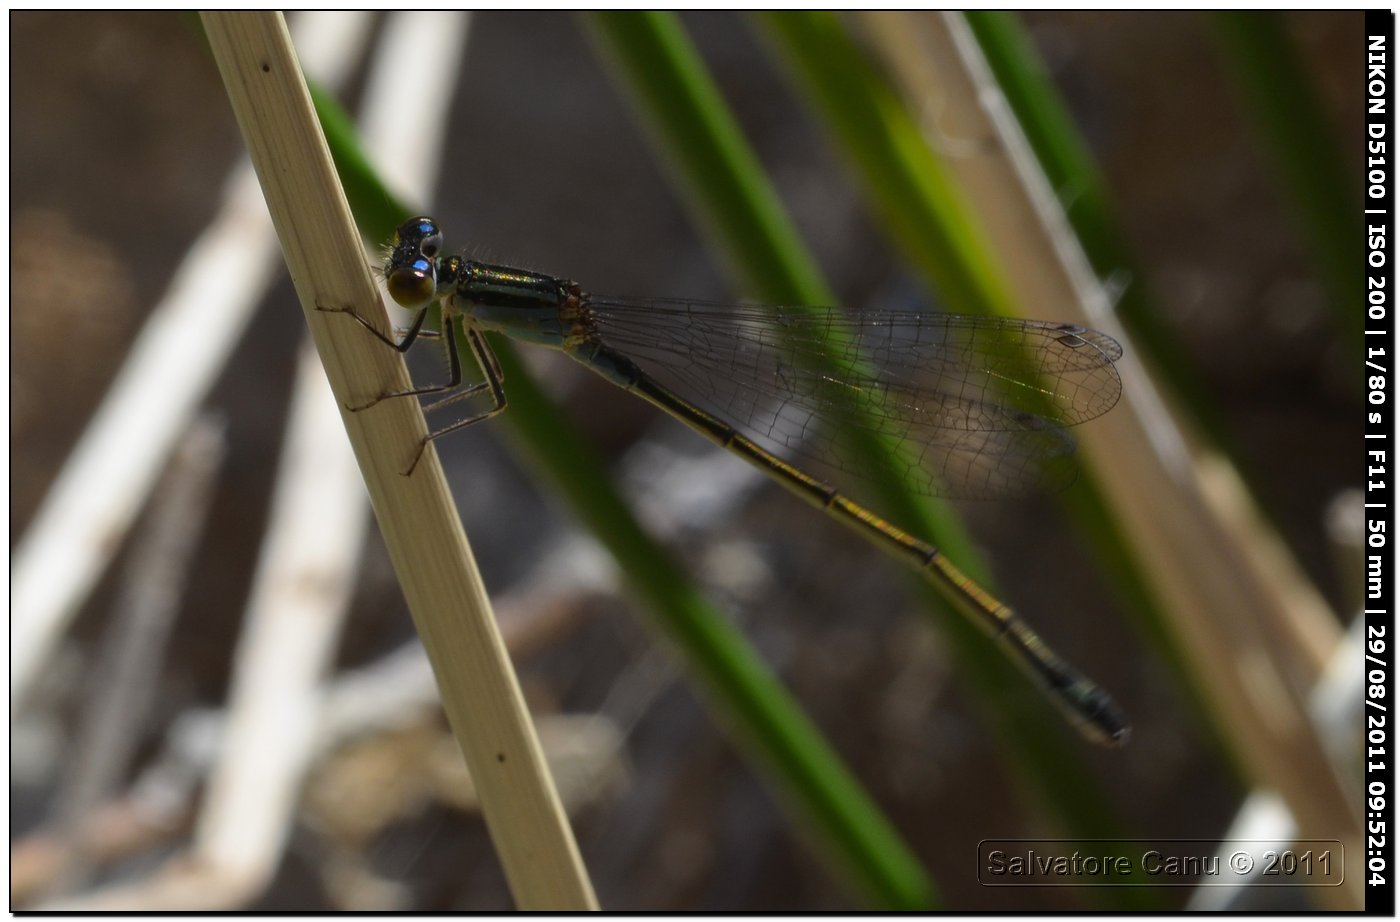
(420,526)
(1203,563)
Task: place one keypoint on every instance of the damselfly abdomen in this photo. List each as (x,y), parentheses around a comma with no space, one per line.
(964,406)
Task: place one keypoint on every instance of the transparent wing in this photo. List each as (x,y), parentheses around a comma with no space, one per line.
(977,405)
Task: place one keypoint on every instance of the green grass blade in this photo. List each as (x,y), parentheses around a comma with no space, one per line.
(906,185)
(665,78)
(1285,607)
(1069,166)
(377,212)
(938,233)
(710,161)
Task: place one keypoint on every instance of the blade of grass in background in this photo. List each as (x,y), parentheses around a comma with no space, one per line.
(1069,167)
(849,831)
(892,153)
(927,220)
(882,148)
(1284,105)
(724,183)
(1195,541)
(376,210)
(1279,94)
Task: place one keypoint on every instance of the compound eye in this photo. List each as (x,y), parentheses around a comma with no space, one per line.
(431,246)
(412,286)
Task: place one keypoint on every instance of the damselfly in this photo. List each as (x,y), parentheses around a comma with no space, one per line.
(974,406)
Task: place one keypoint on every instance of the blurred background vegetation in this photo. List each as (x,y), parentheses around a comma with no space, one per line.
(121,142)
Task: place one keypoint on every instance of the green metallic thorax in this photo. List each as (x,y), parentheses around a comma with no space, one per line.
(528,306)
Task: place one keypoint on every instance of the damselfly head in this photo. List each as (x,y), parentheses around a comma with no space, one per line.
(410,271)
